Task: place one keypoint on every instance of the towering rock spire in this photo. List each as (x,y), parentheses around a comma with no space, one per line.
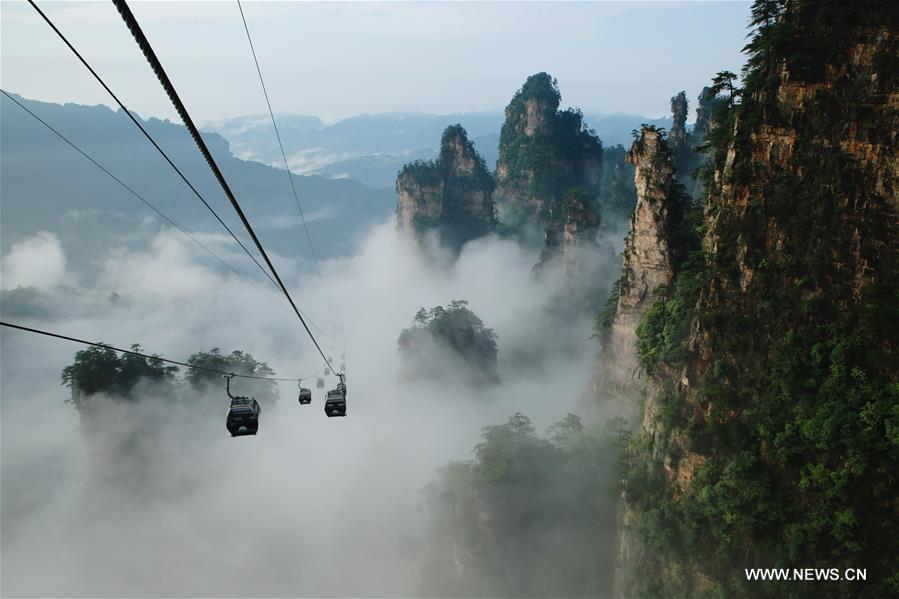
(678,133)
(580,222)
(647,257)
(543,153)
(452,195)
(705,110)
(683,145)
(648,264)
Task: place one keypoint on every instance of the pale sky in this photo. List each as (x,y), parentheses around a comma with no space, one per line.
(336,59)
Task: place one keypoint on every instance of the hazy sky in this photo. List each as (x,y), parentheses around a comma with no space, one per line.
(335,59)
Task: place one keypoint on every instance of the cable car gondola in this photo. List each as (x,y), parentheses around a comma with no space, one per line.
(327,371)
(335,402)
(320,383)
(305,397)
(243,413)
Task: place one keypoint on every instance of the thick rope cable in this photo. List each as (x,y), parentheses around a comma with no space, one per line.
(131,352)
(130,190)
(161,214)
(150,55)
(287,165)
(149,137)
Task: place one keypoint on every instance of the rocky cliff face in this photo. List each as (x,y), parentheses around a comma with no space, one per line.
(419,189)
(576,260)
(765,432)
(581,221)
(543,154)
(571,235)
(648,264)
(452,195)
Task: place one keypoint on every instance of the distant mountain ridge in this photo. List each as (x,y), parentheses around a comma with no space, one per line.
(372,148)
(46,185)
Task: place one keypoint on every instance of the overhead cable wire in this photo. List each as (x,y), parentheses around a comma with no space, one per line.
(286,164)
(131,352)
(149,137)
(148,203)
(158,148)
(130,190)
(150,55)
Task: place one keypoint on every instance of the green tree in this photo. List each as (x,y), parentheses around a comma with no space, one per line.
(454,328)
(101,370)
(724,82)
(94,370)
(238,362)
(562,432)
(502,446)
(764,38)
(528,517)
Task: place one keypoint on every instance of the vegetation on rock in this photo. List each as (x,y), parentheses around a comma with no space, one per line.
(452,195)
(238,362)
(543,153)
(529,516)
(449,342)
(781,451)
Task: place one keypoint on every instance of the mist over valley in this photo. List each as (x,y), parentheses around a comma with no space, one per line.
(453,342)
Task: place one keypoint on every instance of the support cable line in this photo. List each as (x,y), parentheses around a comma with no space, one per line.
(142,355)
(286,164)
(130,190)
(150,55)
(161,214)
(149,137)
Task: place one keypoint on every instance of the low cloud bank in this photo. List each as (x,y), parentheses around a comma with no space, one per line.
(154,497)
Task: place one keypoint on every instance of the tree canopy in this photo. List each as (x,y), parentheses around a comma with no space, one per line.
(445,334)
(102,370)
(529,516)
(238,362)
